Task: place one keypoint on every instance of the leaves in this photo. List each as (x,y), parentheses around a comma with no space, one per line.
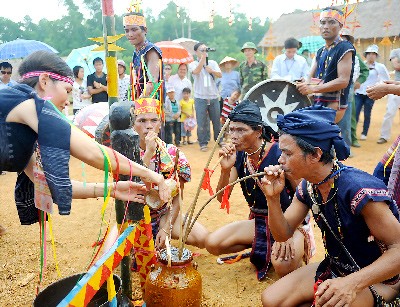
(72,30)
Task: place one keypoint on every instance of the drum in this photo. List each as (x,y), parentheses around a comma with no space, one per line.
(276,97)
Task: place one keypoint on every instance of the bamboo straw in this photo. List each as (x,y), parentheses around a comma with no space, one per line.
(193,205)
(219,192)
(217,163)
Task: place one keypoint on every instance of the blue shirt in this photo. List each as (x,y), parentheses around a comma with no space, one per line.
(229,82)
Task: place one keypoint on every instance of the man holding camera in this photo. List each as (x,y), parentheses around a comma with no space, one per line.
(205,72)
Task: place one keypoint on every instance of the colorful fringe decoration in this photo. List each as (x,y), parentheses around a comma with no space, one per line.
(225,199)
(100,272)
(143,245)
(206,184)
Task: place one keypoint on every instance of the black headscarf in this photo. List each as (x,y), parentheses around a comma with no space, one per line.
(247,112)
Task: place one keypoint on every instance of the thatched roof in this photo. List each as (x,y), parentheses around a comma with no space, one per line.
(371,15)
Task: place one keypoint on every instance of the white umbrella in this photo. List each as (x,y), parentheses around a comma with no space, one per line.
(186,43)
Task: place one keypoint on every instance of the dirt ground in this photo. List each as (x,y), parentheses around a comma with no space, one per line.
(223,285)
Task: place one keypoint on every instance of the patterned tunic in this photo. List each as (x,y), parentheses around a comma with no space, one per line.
(353,190)
(263,240)
(163,163)
(138,67)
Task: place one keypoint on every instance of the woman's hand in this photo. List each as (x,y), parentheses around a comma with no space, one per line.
(128,191)
(163,190)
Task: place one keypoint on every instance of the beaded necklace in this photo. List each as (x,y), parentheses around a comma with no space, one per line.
(316,204)
(246,167)
(141,48)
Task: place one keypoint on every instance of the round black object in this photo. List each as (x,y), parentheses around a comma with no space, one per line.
(276,97)
(56,292)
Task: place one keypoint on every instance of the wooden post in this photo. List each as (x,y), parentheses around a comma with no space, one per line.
(123,139)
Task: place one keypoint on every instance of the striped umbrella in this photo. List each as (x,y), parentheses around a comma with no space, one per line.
(173,53)
(21,48)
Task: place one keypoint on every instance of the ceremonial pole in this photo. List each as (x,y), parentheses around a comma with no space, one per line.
(109,36)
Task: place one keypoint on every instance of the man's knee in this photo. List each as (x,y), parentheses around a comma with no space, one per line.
(213,245)
(269,299)
(283,268)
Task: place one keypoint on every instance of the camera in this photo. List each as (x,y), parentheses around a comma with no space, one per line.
(208,49)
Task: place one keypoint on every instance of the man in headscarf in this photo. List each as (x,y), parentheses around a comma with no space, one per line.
(358,219)
(331,74)
(251,151)
(146,57)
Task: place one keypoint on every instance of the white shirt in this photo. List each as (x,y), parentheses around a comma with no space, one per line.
(356,72)
(289,69)
(179,84)
(377,73)
(77,90)
(123,88)
(3,85)
(205,86)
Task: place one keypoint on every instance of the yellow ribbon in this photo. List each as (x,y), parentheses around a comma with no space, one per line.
(53,244)
(390,159)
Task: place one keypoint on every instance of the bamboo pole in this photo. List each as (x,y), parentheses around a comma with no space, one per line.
(112,84)
(219,192)
(193,205)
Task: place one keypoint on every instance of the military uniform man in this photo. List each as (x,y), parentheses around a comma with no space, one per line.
(251,71)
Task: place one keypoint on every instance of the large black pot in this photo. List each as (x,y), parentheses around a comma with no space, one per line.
(56,292)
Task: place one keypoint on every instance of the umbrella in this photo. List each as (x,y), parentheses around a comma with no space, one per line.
(21,48)
(173,53)
(89,117)
(311,43)
(84,57)
(187,43)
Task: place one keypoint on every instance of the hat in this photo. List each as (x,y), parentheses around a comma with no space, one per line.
(228,59)
(147,105)
(395,53)
(332,13)
(291,42)
(170,89)
(121,62)
(134,19)
(346,32)
(372,49)
(249,45)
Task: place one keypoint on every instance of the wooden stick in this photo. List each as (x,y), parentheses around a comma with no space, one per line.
(193,205)
(219,192)
(217,163)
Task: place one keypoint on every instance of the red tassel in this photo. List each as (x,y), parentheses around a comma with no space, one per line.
(225,199)
(206,185)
